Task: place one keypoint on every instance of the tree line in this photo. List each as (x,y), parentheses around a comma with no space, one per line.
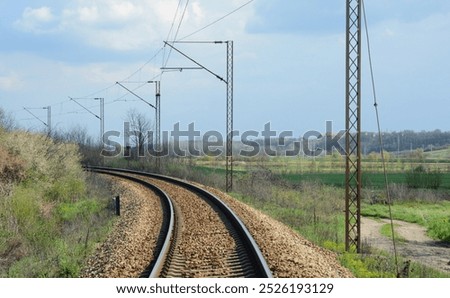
(404,141)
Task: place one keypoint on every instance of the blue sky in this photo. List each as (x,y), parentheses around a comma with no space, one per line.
(289,62)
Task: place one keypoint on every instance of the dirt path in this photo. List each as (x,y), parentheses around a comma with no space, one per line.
(416,245)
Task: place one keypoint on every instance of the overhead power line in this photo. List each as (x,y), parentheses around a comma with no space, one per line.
(380,137)
(195,62)
(121,85)
(166,60)
(35,117)
(229,105)
(89,111)
(218,20)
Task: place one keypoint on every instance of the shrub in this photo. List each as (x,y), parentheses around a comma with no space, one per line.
(68,189)
(49,217)
(440,229)
(11,169)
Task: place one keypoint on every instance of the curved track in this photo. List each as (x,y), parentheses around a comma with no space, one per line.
(203,238)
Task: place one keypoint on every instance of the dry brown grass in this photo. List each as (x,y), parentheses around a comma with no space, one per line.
(12,170)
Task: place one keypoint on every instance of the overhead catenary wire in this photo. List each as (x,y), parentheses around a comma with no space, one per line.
(89,96)
(181,20)
(166,60)
(89,111)
(142,67)
(170,32)
(109,102)
(180,12)
(195,62)
(83,111)
(113,85)
(137,95)
(218,20)
(35,117)
(380,137)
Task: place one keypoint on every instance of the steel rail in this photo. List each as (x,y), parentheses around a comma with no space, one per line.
(257,259)
(163,248)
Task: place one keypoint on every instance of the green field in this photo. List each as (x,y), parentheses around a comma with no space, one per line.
(375,180)
(330,170)
(370,179)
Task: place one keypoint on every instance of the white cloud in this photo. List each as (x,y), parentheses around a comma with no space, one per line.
(86,14)
(96,73)
(118,25)
(123,11)
(36,20)
(9,82)
(163,10)
(389,32)
(198,11)
(43,14)
(132,24)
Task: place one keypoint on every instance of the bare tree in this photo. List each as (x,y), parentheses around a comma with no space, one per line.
(7,122)
(76,134)
(139,130)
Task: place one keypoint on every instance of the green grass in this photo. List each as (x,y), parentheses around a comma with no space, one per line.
(81,209)
(379,264)
(330,170)
(335,163)
(440,155)
(56,241)
(386,230)
(370,179)
(326,229)
(434,216)
(51,219)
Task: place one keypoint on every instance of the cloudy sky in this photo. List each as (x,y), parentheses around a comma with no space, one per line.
(289,62)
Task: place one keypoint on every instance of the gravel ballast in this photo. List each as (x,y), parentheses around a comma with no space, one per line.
(287,253)
(129,247)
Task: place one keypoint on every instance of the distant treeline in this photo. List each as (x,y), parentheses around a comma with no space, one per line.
(394,142)
(406,140)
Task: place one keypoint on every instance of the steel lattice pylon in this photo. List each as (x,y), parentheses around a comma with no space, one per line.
(229,104)
(353,127)
(229,148)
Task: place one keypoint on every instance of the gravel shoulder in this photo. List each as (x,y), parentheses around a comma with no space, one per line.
(288,254)
(129,247)
(416,246)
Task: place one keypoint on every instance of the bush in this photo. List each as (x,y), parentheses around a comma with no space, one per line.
(49,217)
(11,170)
(440,229)
(68,189)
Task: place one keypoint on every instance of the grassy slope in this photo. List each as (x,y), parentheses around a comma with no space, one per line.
(48,219)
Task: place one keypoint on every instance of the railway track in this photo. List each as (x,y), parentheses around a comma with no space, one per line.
(200,235)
